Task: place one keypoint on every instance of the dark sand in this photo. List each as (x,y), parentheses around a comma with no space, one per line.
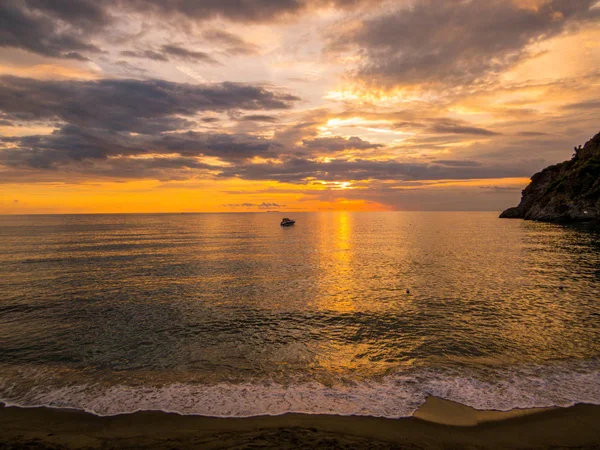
(439,424)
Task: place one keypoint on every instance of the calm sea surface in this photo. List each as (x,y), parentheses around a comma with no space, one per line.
(233,315)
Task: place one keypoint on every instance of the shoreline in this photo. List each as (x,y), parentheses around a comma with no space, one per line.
(437,424)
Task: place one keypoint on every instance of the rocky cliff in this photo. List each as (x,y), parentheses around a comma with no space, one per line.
(565,192)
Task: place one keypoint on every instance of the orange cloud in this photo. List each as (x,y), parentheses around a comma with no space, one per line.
(50,71)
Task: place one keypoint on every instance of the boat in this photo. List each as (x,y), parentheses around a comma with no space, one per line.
(285,222)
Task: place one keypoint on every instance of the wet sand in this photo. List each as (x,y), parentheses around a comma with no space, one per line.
(439,424)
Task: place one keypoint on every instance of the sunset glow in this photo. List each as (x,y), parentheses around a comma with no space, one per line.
(291,106)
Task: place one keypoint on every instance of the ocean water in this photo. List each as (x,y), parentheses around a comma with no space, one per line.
(231,315)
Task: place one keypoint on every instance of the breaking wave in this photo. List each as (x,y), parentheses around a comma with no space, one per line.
(399,395)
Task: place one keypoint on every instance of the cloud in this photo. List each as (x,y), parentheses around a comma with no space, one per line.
(127,69)
(251,11)
(69,144)
(228,147)
(66,28)
(338,143)
(259,118)
(454,43)
(120,168)
(47,28)
(188,55)
(147,106)
(126,128)
(233,44)
(589,104)
(438,197)
(170,51)
(84,14)
(73,144)
(305,126)
(531,133)
(455,128)
(159,168)
(148,54)
(234,10)
(103,124)
(457,163)
(263,205)
(299,170)
(75,149)
(240,205)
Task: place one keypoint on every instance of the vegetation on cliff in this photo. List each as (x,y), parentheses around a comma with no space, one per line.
(565,192)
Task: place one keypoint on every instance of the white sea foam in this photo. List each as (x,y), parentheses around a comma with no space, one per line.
(392,397)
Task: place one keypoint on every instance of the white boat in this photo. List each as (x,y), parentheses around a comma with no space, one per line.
(285,222)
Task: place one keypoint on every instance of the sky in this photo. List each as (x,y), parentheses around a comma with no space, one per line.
(290,105)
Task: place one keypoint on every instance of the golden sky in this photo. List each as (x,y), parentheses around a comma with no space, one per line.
(290,105)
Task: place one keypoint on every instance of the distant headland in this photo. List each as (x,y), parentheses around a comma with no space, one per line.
(565,192)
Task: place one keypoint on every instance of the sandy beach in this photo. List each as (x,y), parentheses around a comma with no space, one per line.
(438,424)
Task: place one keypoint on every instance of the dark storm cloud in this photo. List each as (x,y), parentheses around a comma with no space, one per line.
(65,28)
(338,143)
(236,10)
(229,147)
(100,116)
(75,144)
(159,168)
(59,36)
(455,42)
(149,106)
(84,150)
(251,11)
(298,170)
(82,13)
(173,168)
(69,144)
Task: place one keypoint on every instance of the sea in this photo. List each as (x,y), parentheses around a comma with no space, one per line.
(232,315)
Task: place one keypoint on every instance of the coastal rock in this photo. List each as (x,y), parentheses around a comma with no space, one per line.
(565,192)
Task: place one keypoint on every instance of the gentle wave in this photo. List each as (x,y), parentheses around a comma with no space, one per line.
(395,396)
